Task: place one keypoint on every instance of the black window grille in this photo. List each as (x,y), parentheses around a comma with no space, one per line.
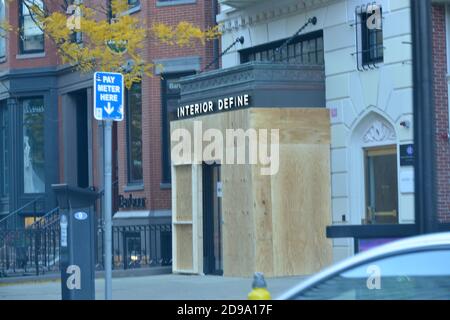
(369,36)
(305,49)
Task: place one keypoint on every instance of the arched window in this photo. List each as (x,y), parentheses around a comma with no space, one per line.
(374,181)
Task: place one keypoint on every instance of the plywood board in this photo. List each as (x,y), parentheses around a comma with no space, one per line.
(183,176)
(301,210)
(238,227)
(297,125)
(184,247)
(273,224)
(262,211)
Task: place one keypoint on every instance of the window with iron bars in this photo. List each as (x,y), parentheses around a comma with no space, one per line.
(369,36)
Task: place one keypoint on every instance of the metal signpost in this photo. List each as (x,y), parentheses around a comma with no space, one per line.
(108,107)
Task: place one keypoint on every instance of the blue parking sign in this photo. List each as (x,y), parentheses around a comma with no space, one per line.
(108,96)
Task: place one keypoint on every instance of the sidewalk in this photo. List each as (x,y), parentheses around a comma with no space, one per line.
(98,274)
(158,287)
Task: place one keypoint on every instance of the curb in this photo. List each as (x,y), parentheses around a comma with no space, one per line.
(51,277)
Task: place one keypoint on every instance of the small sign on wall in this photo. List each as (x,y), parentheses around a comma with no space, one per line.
(407,153)
(219,189)
(407,181)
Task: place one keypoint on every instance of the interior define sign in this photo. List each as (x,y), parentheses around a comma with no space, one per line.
(225,104)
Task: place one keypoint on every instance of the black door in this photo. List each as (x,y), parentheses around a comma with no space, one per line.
(82,139)
(212,220)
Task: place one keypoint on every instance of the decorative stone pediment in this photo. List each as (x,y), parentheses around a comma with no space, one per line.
(379,132)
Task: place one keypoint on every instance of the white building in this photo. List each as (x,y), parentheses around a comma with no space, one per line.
(368,93)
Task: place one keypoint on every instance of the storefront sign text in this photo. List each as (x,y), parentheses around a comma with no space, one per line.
(206,107)
(131,203)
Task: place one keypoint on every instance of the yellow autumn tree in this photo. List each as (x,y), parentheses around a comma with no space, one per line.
(101,36)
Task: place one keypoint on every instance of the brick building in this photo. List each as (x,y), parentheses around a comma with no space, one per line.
(441,16)
(145,174)
(48,134)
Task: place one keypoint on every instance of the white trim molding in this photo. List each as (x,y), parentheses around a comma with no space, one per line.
(264,11)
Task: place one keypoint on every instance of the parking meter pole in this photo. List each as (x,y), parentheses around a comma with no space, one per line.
(108,209)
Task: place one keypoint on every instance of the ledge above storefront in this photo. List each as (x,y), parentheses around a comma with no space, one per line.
(239,3)
(268,84)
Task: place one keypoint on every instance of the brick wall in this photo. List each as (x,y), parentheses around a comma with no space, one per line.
(442,121)
(200,14)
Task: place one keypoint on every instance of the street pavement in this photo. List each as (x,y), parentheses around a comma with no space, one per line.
(156,287)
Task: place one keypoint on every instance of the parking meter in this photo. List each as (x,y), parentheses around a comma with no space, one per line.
(77,242)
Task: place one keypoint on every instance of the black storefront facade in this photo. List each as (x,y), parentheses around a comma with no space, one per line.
(29,141)
(47,136)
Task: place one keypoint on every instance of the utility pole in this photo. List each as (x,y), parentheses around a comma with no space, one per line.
(108,107)
(108,210)
(424,117)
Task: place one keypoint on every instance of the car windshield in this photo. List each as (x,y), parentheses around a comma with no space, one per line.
(418,275)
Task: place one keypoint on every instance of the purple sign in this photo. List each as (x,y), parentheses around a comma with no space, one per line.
(367,244)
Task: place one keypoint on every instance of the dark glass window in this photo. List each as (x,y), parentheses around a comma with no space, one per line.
(4,151)
(170,96)
(306,49)
(133,3)
(381,186)
(33,145)
(134,128)
(31,35)
(371,40)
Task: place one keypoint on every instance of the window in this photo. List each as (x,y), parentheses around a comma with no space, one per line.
(381,186)
(4,151)
(174,2)
(33,145)
(133,6)
(371,37)
(306,49)
(422,275)
(2,32)
(133,3)
(170,95)
(134,136)
(31,35)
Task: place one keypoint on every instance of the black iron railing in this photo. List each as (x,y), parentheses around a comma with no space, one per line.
(37,250)
(138,246)
(30,250)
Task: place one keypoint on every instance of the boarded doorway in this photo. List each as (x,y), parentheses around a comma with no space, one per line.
(212,220)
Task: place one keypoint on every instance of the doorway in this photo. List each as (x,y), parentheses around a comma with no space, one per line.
(80,98)
(381,185)
(212,220)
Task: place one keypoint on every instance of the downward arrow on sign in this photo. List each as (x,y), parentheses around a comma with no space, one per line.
(109,109)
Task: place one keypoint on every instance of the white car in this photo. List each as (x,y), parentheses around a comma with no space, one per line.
(416,268)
